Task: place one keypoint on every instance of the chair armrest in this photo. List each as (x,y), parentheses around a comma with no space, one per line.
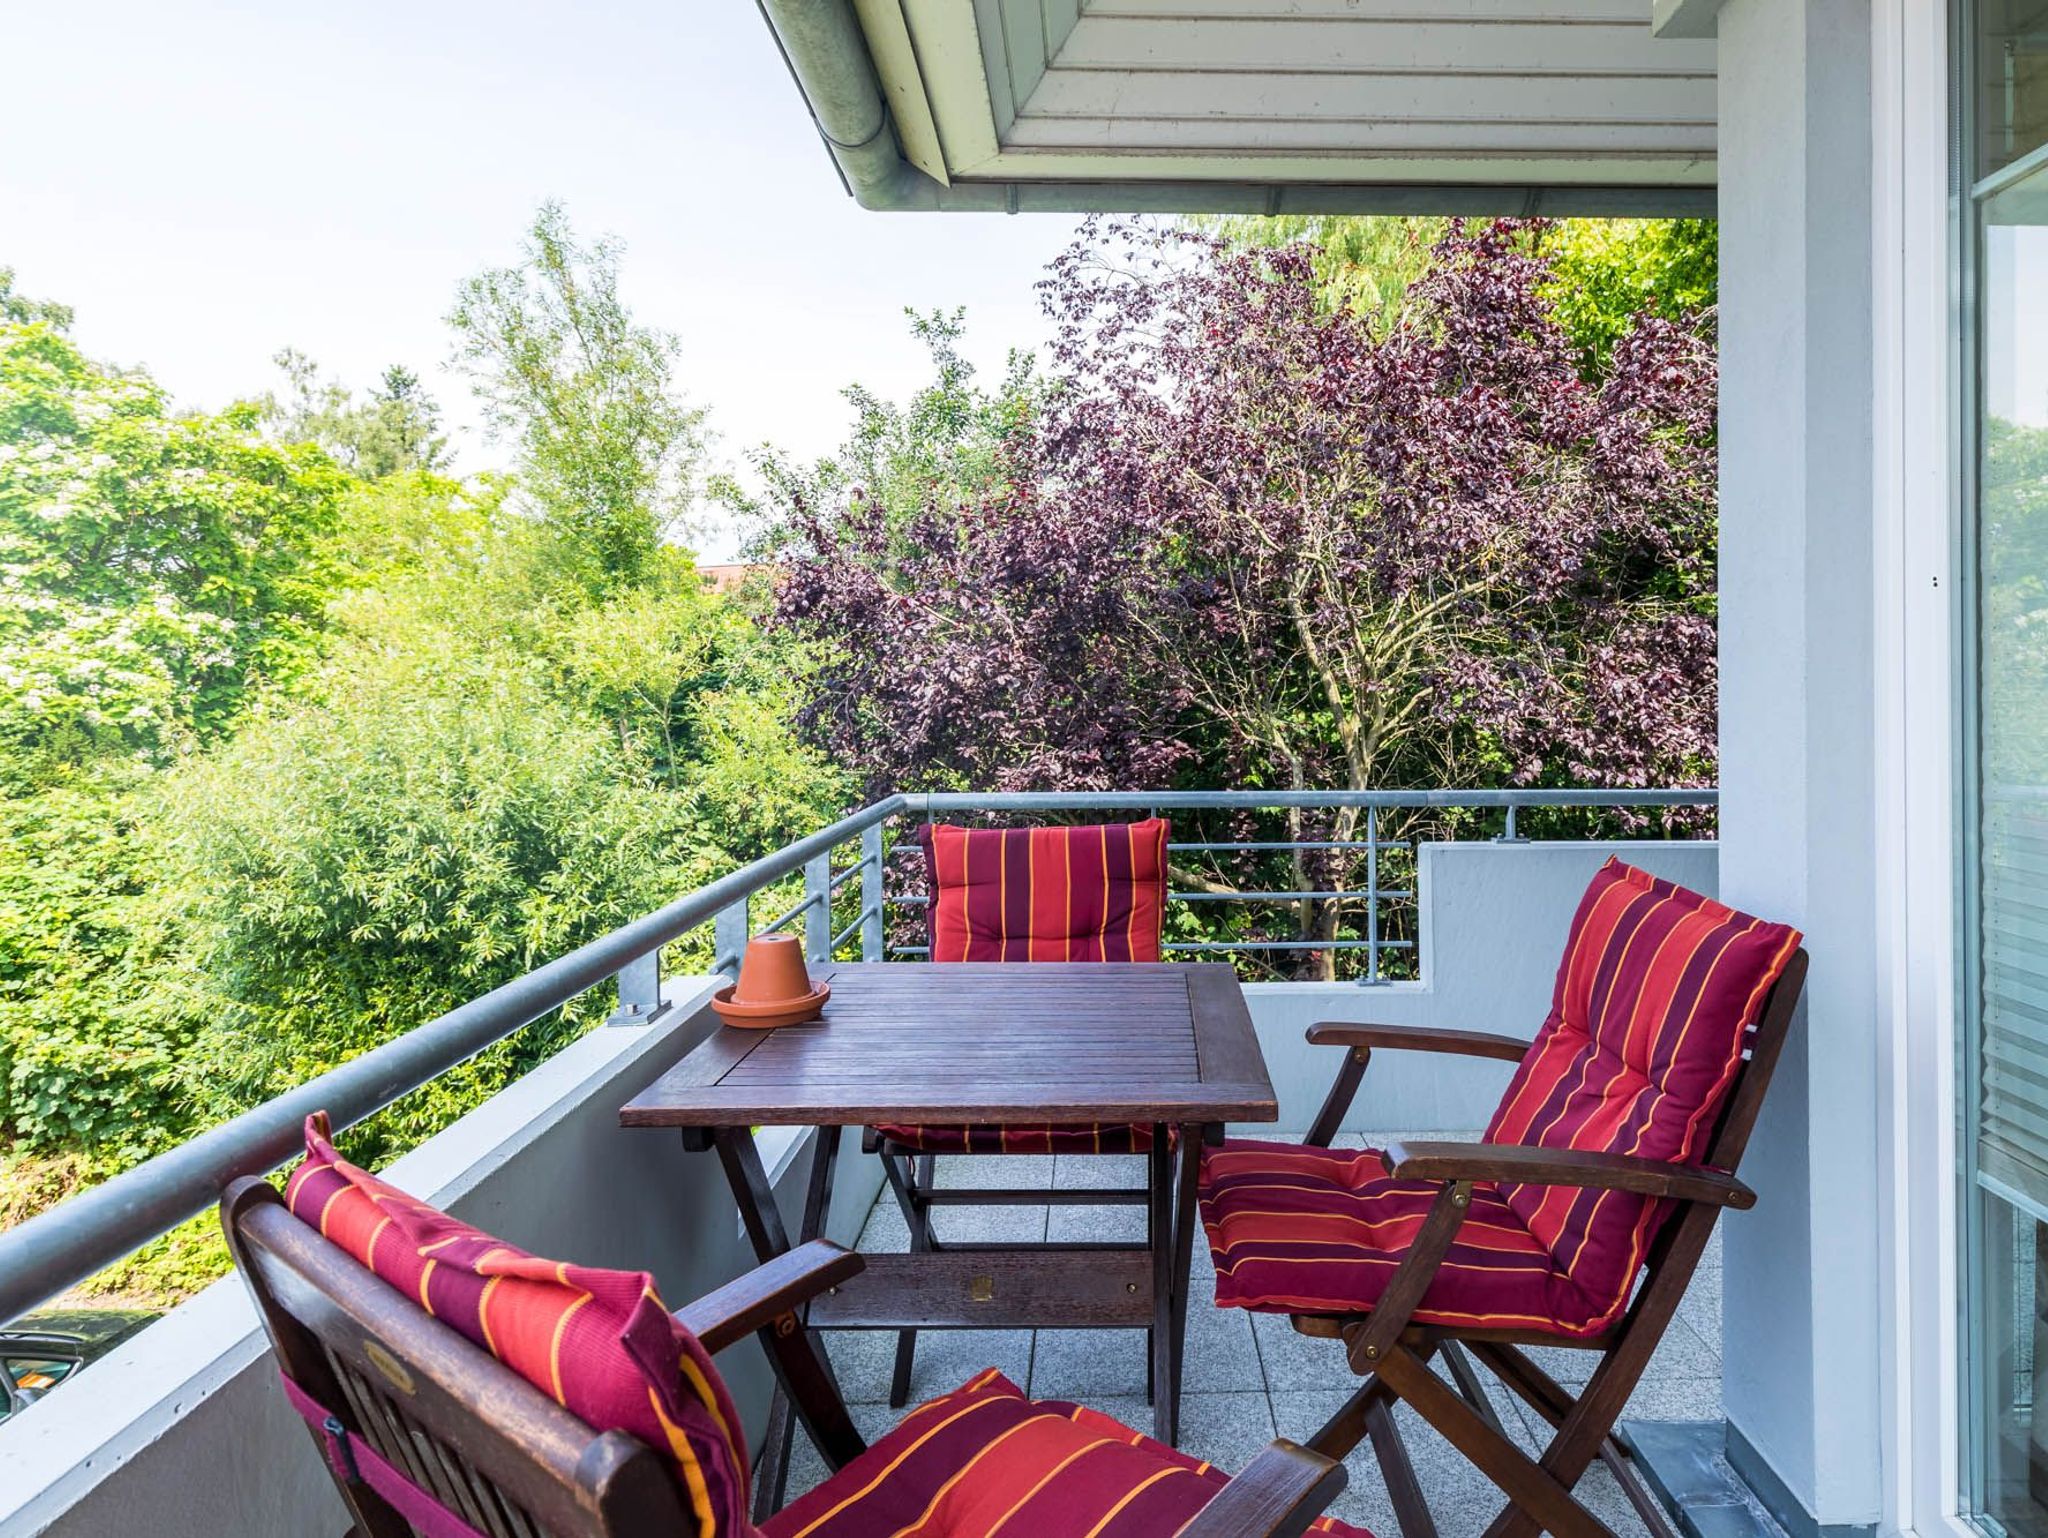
(767,1292)
(1279,1493)
(1565,1167)
(1417,1038)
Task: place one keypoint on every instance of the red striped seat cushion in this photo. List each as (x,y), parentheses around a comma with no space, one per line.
(1653,1003)
(1046,894)
(1320,1230)
(599,1342)
(1042,894)
(985,1462)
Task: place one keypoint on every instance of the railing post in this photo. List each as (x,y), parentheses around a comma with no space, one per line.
(1372,894)
(1508,834)
(640,1000)
(818,916)
(871,893)
(729,933)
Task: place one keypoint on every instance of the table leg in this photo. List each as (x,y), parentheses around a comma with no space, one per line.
(1159,1226)
(803,1374)
(1185,1218)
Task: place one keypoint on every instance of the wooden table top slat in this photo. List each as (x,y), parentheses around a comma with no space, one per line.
(989,1044)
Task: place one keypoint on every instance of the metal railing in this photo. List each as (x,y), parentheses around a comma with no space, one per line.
(72,1241)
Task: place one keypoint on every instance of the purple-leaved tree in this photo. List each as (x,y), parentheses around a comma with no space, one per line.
(1254,542)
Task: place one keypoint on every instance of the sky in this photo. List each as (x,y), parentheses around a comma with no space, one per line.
(207,183)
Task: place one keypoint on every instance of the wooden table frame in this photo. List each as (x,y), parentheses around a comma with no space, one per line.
(1197,1067)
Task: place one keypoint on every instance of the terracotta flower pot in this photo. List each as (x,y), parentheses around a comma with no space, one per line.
(774,987)
(772,971)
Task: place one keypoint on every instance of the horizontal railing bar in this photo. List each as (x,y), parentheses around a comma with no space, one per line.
(842,877)
(1254,800)
(1246,897)
(909,902)
(1285,945)
(69,1242)
(80,1236)
(854,928)
(1298,843)
(773,925)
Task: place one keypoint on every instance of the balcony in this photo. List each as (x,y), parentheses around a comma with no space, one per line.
(182,1430)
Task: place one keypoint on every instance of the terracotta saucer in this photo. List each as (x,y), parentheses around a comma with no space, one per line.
(767,1014)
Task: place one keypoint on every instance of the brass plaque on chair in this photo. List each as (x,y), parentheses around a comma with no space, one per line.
(389,1367)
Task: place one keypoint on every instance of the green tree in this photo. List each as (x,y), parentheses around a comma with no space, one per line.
(1604,272)
(951,442)
(1607,272)
(395,429)
(156,570)
(153,566)
(607,450)
(1363,262)
(20,310)
(431,824)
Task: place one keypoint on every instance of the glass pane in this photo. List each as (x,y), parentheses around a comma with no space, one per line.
(2011,1006)
(2012,81)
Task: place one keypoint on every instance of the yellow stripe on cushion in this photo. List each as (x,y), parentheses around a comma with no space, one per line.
(1132,1494)
(693,1471)
(555,1346)
(483,1315)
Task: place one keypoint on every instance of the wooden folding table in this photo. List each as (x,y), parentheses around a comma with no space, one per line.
(1068,1044)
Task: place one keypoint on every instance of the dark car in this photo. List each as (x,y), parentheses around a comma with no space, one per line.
(40,1350)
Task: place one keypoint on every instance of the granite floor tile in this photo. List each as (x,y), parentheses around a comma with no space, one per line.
(1220,1354)
(865,1360)
(885,1232)
(1077,1225)
(1088,1364)
(1096,1172)
(1296,1361)
(1228,1430)
(967,1172)
(987,1225)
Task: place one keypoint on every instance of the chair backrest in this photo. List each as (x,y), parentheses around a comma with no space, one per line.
(1095,893)
(1651,1022)
(462,1426)
(595,1344)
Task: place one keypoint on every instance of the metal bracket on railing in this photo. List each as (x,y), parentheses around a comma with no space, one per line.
(1508,835)
(729,934)
(818,885)
(640,1000)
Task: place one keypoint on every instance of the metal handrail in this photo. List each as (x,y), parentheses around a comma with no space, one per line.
(84,1234)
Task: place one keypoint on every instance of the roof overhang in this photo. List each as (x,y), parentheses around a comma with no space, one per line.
(1263,106)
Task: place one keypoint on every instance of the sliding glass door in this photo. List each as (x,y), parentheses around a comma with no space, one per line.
(2003,196)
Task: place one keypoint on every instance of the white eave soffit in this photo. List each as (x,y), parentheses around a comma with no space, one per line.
(1532,93)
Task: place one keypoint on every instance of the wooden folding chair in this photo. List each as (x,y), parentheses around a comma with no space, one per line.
(1442,1187)
(426,1432)
(1090,893)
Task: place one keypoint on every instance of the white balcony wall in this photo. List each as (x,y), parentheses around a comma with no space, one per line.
(1494,918)
(183,1433)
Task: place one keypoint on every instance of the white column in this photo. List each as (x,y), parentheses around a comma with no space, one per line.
(1799,736)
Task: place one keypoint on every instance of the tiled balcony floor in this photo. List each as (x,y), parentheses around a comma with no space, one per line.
(1249,1377)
